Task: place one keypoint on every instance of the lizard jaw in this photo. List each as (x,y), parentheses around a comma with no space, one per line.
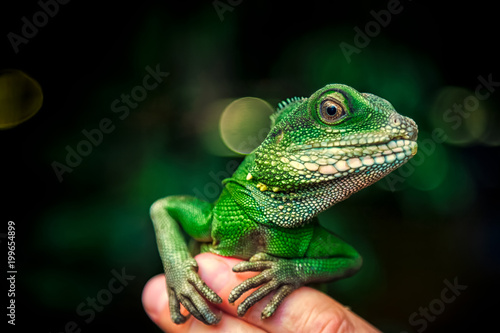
(341,161)
(305,165)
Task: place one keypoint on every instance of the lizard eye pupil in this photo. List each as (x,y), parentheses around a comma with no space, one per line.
(331,111)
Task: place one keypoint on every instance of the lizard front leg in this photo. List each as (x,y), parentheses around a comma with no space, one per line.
(184,285)
(328,258)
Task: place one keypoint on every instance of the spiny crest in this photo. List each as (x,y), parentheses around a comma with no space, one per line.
(284,104)
(288,101)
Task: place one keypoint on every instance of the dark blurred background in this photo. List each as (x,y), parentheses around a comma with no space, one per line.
(432,224)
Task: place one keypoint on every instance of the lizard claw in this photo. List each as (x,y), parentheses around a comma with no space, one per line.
(187,288)
(261,256)
(276,274)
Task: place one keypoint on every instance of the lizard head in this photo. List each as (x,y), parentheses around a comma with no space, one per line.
(336,135)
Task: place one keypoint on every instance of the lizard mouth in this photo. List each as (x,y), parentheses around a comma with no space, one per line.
(340,160)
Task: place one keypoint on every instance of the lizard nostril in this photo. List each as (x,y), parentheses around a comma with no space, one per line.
(395,120)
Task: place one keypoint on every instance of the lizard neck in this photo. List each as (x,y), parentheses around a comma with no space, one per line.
(288,209)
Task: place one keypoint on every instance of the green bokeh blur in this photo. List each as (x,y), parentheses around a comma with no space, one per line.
(87,167)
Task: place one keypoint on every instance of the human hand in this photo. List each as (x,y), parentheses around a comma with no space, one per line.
(304,310)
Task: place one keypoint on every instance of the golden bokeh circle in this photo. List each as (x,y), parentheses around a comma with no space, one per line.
(245,123)
(20,97)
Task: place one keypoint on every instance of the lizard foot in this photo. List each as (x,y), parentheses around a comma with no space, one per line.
(187,288)
(276,274)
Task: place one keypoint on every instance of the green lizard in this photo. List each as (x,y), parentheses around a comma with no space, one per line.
(319,151)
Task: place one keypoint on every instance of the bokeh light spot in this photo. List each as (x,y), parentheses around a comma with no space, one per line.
(460,114)
(244,124)
(20,97)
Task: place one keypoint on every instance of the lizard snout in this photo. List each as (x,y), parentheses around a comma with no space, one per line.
(411,128)
(403,126)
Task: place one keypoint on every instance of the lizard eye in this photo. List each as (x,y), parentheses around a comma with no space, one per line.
(331,111)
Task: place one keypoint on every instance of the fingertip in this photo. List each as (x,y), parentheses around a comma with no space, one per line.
(214,270)
(218,274)
(154,297)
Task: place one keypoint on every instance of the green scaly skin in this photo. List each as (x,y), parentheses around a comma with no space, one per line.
(320,150)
